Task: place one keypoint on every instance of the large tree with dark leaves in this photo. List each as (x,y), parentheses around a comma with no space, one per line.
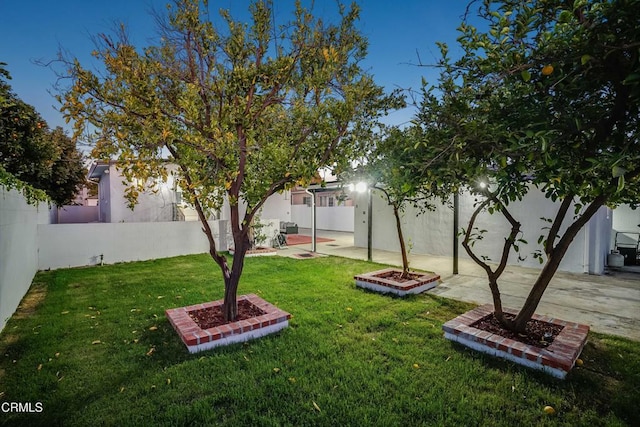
(45,159)
(545,95)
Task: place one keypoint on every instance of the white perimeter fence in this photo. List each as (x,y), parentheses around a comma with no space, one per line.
(28,243)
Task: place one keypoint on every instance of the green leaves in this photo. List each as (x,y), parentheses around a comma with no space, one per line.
(632,78)
(544,94)
(34,154)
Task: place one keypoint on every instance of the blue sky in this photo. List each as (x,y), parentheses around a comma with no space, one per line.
(34,30)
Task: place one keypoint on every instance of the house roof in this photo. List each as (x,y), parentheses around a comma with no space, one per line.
(97,169)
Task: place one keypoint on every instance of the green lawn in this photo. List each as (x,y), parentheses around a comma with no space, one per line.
(93,345)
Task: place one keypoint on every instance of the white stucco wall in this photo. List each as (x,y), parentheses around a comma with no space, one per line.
(278,206)
(104,198)
(76,214)
(18,248)
(431,233)
(335,218)
(156,204)
(73,245)
(625,219)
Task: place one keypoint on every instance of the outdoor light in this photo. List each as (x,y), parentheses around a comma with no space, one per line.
(361,187)
(483,185)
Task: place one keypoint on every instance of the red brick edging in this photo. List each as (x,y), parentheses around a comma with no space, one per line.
(376,281)
(198,339)
(557,359)
(257,252)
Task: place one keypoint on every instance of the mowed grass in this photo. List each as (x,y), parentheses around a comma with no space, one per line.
(94,347)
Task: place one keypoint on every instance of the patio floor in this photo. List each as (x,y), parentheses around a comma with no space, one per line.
(609,304)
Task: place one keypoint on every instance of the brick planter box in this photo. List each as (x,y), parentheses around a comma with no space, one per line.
(258,252)
(556,360)
(197,339)
(380,281)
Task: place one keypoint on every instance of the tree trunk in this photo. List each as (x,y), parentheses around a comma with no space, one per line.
(403,248)
(554,257)
(492,275)
(230,304)
(535,295)
(241,245)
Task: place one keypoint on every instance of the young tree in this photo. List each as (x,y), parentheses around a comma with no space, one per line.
(47,160)
(392,169)
(244,110)
(546,97)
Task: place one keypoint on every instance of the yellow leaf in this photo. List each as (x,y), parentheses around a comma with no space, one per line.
(315,405)
(65,312)
(153,328)
(349,309)
(96,342)
(121,389)
(40,367)
(549,410)
(151,350)
(416,366)
(168,380)
(276,370)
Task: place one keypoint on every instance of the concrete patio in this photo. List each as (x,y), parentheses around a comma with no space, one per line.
(608,304)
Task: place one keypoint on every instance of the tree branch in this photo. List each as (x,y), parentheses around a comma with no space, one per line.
(557,223)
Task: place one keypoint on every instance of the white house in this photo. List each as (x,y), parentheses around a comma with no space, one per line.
(333,211)
(160,203)
(432,233)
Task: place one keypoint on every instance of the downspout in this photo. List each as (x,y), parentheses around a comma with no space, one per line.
(586,250)
(313,218)
(370,224)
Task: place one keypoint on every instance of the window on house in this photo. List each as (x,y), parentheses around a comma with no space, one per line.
(306,200)
(330,204)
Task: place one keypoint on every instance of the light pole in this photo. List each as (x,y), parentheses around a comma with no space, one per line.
(456,212)
(313,218)
(362,187)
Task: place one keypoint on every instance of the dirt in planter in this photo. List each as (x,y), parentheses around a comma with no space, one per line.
(211,317)
(397,276)
(538,333)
